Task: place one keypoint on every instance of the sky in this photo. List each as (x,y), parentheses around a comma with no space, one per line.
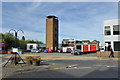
(77,20)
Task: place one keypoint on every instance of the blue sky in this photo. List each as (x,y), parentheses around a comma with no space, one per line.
(77,20)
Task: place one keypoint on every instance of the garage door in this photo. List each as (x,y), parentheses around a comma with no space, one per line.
(92,47)
(85,48)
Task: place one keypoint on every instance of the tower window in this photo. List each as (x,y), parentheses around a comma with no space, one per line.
(55,35)
(55,29)
(55,42)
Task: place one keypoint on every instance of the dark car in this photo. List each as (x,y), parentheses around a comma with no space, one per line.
(76,51)
(68,50)
(60,51)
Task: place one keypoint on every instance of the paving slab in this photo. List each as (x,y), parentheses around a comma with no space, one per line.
(12,69)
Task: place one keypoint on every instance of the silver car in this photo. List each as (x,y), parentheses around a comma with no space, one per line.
(35,51)
(76,51)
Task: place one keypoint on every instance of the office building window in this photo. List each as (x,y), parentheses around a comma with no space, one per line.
(107,30)
(116,30)
(68,42)
(117,46)
(72,42)
(64,42)
(107,48)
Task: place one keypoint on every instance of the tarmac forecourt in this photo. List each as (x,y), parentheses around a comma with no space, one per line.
(11,69)
(63,56)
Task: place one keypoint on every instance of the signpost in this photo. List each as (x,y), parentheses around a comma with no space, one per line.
(2,44)
(15,50)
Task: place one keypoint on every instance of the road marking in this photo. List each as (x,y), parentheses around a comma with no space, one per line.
(72,66)
(105,66)
(85,67)
(80,68)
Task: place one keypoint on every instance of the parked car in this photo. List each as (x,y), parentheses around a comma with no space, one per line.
(69,50)
(50,51)
(46,51)
(60,51)
(35,51)
(76,51)
(102,49)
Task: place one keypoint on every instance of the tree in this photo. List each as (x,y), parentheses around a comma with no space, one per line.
(9,40)
(23,38)
(22,44)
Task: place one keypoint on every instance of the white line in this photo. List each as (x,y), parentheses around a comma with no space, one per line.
(84,67)
(105,66)
(79,68)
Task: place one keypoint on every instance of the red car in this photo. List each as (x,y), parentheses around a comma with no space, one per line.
(50,51)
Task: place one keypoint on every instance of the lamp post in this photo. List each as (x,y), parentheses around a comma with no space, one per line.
(15,41)
(15,35)
(15,52)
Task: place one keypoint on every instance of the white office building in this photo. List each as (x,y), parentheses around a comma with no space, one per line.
(112,34)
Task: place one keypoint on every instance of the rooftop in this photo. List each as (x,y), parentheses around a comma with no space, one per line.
(51,16)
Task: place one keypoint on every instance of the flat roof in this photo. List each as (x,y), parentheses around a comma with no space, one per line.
(51,16)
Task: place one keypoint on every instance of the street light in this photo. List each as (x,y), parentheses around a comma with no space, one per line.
(15,35)
(15,53)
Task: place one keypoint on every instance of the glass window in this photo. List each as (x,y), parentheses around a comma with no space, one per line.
(55,42)
(68,42)
(117,46)
(55,35)
(107,30)
(64,42)
(116,30)
(55,29)
(107,48)
(72,42)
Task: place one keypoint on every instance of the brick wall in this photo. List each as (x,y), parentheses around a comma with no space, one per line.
(107,53)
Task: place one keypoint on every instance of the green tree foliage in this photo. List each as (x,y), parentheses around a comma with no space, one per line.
(23,38)
(32,41)
(10,41)
(22,44)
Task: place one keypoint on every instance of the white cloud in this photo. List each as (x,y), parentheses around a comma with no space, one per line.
(33,6)
(83,21)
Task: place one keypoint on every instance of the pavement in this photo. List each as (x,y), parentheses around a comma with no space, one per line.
(12,69)
(51,61)
(77,69)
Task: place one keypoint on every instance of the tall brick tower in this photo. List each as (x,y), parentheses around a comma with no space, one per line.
(52,33)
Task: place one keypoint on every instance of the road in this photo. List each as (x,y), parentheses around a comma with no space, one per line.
(78,69)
